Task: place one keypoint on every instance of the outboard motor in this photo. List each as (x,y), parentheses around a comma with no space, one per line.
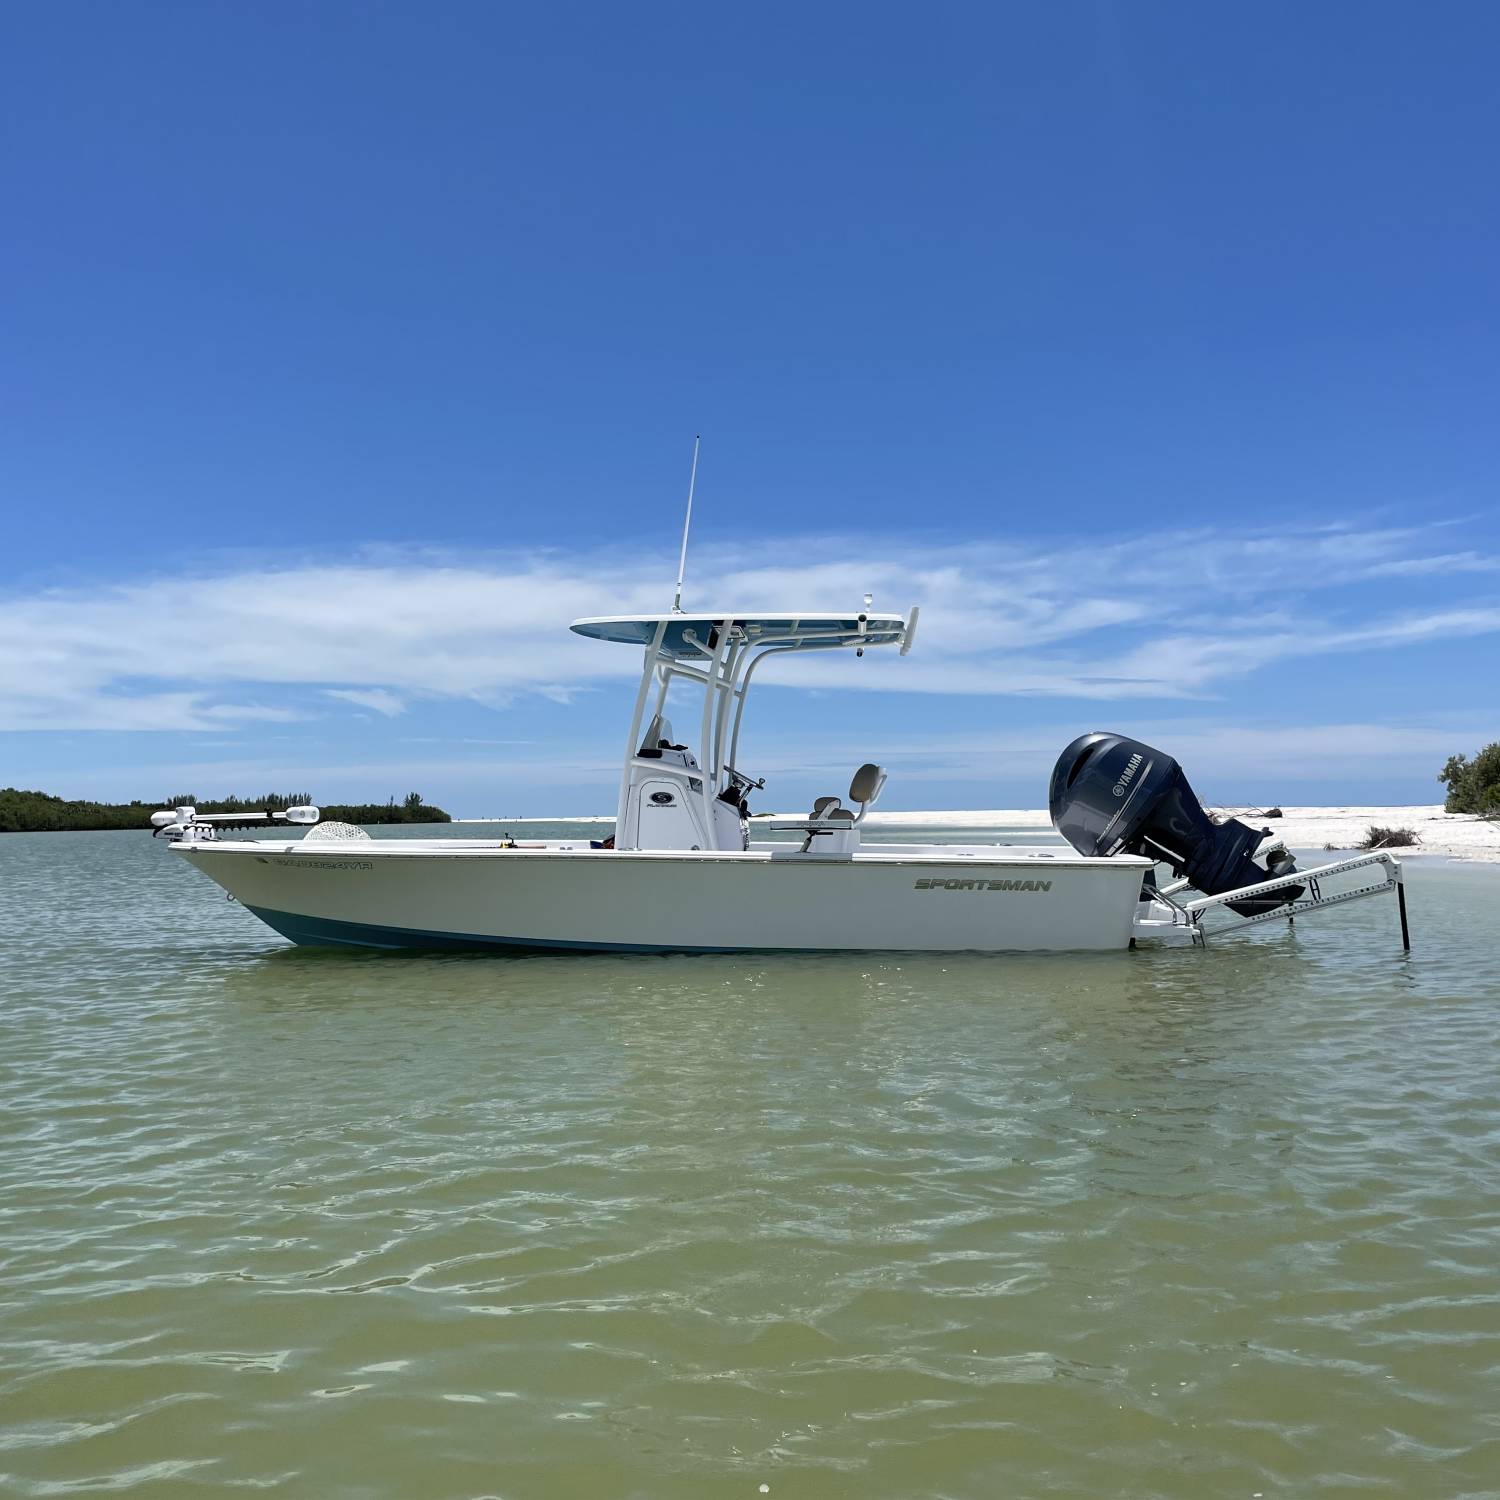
(1110,793)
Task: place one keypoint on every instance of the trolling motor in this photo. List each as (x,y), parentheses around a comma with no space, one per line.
(1110,793)
(187,824)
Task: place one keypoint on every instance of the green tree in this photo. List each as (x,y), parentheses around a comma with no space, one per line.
(1473,785)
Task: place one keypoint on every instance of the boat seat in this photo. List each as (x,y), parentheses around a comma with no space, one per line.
(866,786)
(830,814)
(830,819)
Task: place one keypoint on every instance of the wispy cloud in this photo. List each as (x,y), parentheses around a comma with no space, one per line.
(1170,616)
(377,700)
(1446,562)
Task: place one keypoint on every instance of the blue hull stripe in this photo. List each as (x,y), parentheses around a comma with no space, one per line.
(325,932)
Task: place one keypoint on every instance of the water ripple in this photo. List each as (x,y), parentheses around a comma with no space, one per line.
(1169,1224)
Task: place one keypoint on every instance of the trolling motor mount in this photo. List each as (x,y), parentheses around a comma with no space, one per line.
(1110,793)
(188,825)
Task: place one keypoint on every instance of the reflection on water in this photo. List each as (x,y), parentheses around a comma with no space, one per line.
(1185,1223)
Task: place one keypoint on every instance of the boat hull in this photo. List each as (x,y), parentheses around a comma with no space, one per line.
(390,895)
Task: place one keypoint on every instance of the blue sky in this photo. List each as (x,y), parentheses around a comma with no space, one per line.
(347,352)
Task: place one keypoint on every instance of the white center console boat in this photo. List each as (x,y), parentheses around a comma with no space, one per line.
(683,873)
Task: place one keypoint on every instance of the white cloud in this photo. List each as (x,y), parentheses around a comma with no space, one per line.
(377,700)
(1144,619)
(79,702)
(1447,562)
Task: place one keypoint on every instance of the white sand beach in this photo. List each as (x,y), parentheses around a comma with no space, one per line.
(1448,835)
(1445,835)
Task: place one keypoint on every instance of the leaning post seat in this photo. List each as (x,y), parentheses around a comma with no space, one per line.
(836,825)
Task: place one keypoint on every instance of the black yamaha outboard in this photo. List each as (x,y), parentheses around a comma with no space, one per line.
(1111,793)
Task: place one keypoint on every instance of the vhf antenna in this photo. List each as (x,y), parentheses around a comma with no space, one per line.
(682,559)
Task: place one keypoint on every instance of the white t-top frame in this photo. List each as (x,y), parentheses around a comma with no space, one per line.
(720,653)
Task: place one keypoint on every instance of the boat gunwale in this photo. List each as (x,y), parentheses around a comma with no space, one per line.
(971,856)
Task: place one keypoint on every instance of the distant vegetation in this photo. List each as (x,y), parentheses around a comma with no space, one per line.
(36,812)
(1473,785)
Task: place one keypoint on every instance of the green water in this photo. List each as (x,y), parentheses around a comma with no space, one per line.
(1183,1224)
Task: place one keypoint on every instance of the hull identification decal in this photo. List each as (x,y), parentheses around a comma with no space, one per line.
(323,866)
(984,885)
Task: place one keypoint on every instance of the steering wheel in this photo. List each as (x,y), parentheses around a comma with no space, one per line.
(744,783)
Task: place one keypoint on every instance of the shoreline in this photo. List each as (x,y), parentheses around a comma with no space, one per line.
(1443,835)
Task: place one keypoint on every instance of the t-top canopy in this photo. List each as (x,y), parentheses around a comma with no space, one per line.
(689,635)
